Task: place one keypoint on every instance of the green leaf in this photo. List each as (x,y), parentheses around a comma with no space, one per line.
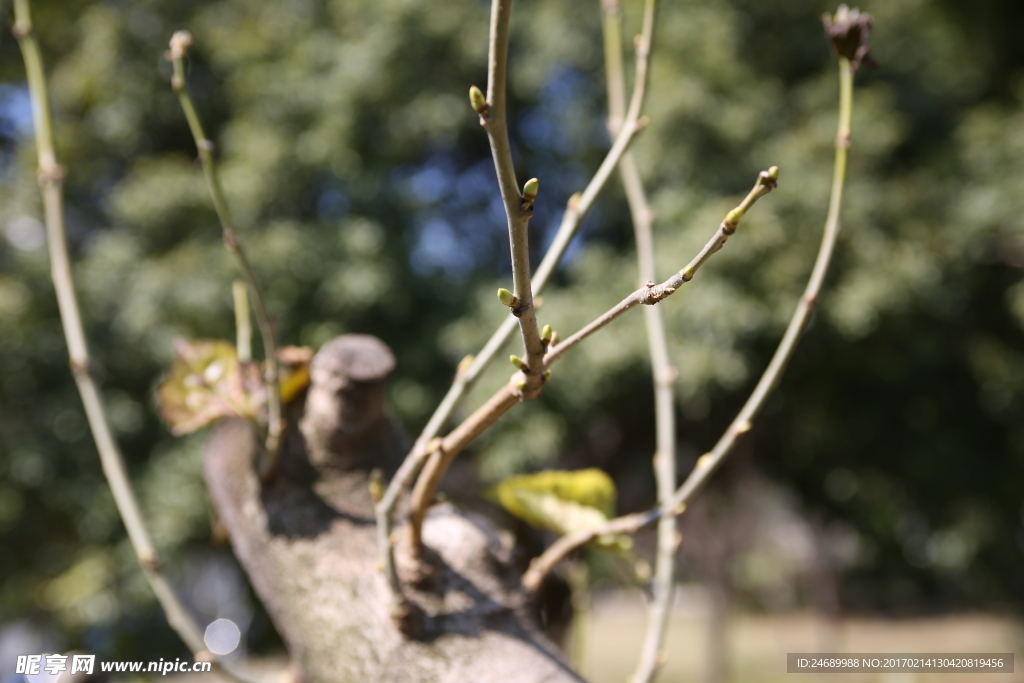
(563,502)
(206,382)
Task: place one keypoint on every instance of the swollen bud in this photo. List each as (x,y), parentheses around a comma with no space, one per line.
(465,364)
(773,172)
(518,362)
(547,375)
(546,333)
(530,189)
(477,100)
(507,298)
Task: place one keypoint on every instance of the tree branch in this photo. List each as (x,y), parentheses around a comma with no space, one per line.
(743,422)
(518,207)
(51,177)
(651,656)
(506,397)
(466,378)
(650,293)
(180,43)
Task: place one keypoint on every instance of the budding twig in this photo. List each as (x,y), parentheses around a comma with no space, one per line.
(51,181)
(518,206)
(181,41)
(579,205)
(743,422)
(650,293)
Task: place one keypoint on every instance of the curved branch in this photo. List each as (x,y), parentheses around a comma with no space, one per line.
(51,181)
(180,43)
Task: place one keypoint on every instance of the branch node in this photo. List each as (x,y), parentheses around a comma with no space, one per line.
(150,561)
(80,367)
(21,29)
(51,174)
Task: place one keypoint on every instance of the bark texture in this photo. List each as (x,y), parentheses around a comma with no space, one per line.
(307,541)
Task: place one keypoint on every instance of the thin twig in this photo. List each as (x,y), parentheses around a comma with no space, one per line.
(651,293)
(518,207)
(180,43)
(51,177)
(743,422)
(651,656)
(577,209)
(243,324)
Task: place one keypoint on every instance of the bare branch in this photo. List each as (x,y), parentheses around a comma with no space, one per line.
(180,43)
(650,293)
(51,181)
(743,422)
(651,656)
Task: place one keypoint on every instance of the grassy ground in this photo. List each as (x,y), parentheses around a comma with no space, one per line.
(757,644)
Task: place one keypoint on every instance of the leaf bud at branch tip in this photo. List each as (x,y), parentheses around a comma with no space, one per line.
(478,101)
(518,362)
(530,189)
(507,298)
(181,41)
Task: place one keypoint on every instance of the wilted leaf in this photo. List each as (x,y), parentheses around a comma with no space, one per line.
(206,382)
(563,501)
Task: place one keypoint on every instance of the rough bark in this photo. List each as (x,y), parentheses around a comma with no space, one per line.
(307,541)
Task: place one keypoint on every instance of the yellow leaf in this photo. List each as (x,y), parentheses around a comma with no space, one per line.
(563,501)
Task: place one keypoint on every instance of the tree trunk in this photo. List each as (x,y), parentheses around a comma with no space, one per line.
(307,541)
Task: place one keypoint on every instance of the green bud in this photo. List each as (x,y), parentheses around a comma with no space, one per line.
(547,375)
(530,189)
(507,298)
(546,332)
(518,362)
(477,100)
(521,385)
(773,172)
(376,484)
(734,216)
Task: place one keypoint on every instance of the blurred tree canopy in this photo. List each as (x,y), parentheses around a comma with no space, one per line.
(364,189)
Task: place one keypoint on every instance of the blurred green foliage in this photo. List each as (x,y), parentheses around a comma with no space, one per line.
(363,188)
